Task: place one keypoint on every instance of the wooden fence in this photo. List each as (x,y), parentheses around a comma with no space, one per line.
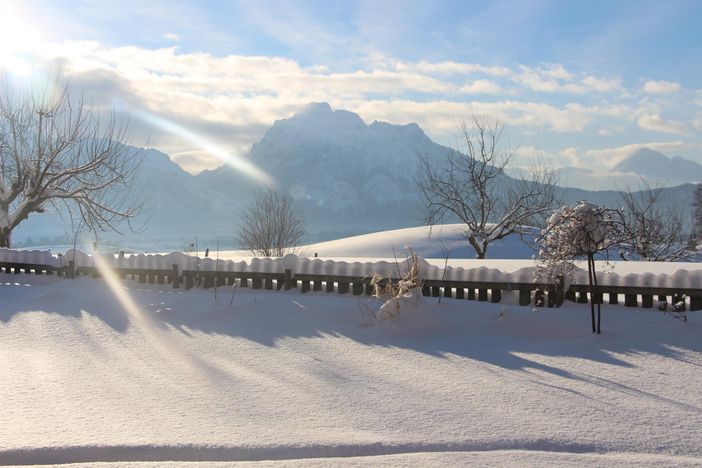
(541,295)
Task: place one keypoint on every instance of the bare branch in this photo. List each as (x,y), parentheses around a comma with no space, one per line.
(271,227)
(472,187)
(54,148)
(652,230)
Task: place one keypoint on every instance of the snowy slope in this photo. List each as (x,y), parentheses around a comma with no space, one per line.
(508,255)
(426,241)
(174,375)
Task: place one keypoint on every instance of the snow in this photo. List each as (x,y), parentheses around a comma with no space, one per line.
(350,257)
(304,379)
(426,241)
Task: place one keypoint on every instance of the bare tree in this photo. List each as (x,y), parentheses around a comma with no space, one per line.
(651,229)
(474,188)
(271,226)
(56,152)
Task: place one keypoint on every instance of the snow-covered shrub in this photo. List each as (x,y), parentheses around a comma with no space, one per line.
(406,291)
(572,233)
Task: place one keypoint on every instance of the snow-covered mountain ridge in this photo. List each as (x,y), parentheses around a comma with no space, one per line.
(349,178)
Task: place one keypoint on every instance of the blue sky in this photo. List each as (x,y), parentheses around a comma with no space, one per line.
(580,83)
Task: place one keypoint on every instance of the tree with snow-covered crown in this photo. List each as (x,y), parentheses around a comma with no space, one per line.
(574,232)
(56,152)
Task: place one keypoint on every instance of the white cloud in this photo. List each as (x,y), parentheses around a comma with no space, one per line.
(698,99)
(653,121)
(661,87)
(557,72)
(547,81)
(450,67)
(233,99)
(602,85)
(482,87)
(559,80)
(571,155)
(441,116)
(171,37)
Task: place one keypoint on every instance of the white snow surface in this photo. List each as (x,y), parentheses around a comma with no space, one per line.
(176,376)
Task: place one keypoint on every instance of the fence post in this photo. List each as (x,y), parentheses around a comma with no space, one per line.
(496,295)
(357,288)
(287,281)
(524,297)
(482,295)
(646,301)
(539,298)
(71,273)
(174,276)
(559,291)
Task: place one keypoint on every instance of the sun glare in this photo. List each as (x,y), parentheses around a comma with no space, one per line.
(19,42)
(238,163)
(117,288)
(146,324)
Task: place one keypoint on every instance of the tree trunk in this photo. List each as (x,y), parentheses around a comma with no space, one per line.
(479,250)
(591,272)
(5,235)
(596,295)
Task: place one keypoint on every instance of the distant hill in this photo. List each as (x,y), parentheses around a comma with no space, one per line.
(656,165)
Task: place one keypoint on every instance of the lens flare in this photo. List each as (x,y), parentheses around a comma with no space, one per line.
(118,290)
(238,163)
(147,326)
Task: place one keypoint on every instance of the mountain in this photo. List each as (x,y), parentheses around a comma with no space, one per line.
(656,165)
(175,206)
(348,177)
(343,172)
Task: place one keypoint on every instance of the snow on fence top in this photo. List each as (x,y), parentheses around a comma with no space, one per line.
(681,278)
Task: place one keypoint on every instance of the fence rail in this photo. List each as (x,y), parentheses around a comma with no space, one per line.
(542,295)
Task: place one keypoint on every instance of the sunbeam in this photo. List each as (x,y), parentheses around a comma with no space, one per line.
(238,163)
(147,326)
(118,290)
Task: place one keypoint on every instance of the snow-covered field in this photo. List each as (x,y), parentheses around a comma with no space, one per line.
(135,375)
(170,375)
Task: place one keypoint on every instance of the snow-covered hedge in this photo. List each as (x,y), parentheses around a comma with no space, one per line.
(314,266)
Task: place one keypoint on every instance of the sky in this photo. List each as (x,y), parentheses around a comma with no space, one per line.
(579,84)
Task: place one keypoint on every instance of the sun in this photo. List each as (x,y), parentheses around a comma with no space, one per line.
(19,42)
